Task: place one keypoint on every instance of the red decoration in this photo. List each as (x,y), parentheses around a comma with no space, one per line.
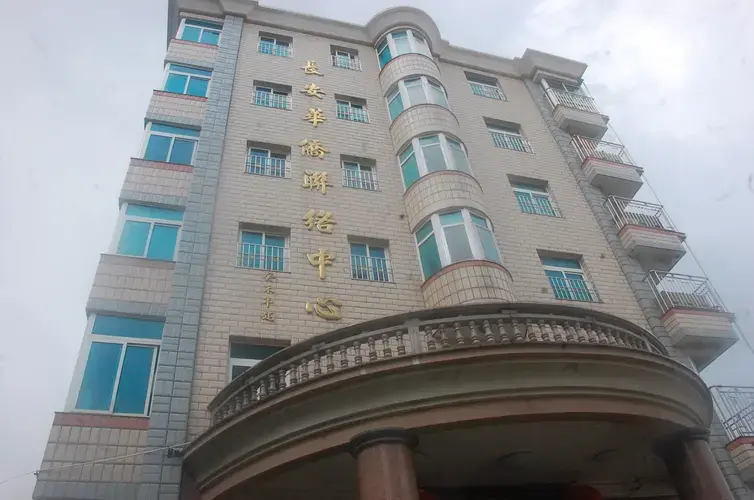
(580,492)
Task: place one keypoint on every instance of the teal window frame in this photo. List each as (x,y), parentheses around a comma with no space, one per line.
(242,356)
(256,252)
(170,144)
(432,153)
(116,369)
(568,280)
(186,80)
(274,46)
(534,199)
(196,31)
(415,91)
(370,262)
(401,41)
(148,232)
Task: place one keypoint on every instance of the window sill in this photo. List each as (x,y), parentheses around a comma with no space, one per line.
(81,418)
(556,216)
(132,260)
(196,44)
(465,263)
(259,269)
(353,121)
(187,97)
(164,165)
(272,107)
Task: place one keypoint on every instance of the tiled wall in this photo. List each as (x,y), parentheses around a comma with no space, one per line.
(120,277)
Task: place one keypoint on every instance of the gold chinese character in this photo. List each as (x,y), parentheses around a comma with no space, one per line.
(321,259)
(269,277)
(268,316)
(327,308)
(321,220)
(312,148)
(315,116)
(268,288)
(311,68)
(316,180)
(267,301)
(313,90)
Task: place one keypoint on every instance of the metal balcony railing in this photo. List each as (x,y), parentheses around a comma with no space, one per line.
(272,100)
(452,329)
(371,268)
(572,100)
(346,62)
(353,114)
(273,167)
(360,179)
(486,91)
(735,407)
(267,257)
(275,49)
(639,213)
(578,289)
(510,141)
(608,151)
(684,292)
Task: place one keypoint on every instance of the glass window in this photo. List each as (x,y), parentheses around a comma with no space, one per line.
(260,250)
(409,167)
(400,42)
(456,237)
(274,46)
(433,154)
(437,94)
(170,144)
(402,45)
(122,355)
(489,247)
(421,44)
(369,262)
(395,104)
(359,176)
(534,199)
(265,162)
(383,52)
(243,356)
(149,232)
(429,254)
(567,279)
(509,138)
(460,160)
(415,92)
(201,32)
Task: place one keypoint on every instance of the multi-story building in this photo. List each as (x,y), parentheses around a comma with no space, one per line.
(360,261)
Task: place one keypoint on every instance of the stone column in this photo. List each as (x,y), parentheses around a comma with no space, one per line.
(692,467)
(385,464)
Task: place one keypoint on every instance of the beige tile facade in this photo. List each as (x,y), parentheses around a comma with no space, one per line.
(177,106)
(156,178)
(132,279)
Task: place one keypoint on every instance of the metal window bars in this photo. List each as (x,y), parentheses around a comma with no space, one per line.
(353,114)
(608,151)
(270,100)
(371,268)
(360,179)
(346,62)
(572,100)
(539,205)
(274,49)
(639,213)
(486,91)
(735,407)
(266,165)
(267,257)
(577,289)
(684,291)
(510,141)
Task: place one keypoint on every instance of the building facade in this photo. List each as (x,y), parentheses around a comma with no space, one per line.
(358,260)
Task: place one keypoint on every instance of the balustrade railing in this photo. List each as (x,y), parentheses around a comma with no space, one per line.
(275,49)
(684,291)
(270,100)
(360,179)
(346,62)
(639,213)
(572,100)
(510,141)
(603,150)
(421,333)
(267,257)
(735,407)
(270,166)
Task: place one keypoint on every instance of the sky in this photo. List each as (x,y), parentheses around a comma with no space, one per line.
(674,77)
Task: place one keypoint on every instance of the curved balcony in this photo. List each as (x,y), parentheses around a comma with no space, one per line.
(407,65)
(422,119)
(468,282)
(494,387)
(439,191)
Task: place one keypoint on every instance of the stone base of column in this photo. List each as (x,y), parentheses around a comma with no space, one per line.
(385,464)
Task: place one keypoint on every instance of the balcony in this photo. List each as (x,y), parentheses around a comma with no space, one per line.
(647,233)
(608,167)
(735,407)
(694,316)
(486,389)
(576,113)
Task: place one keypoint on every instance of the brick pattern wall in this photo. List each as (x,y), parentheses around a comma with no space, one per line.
(599,168)
(407,65)
(469,282)
(198,54)
(177,107)
(638,238)
(420,120)
(438,191)
(680,323)
(120,277)
(156,178)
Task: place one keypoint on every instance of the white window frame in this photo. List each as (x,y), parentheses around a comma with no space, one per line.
(275,43)
(413,44)
(286,249)
(493,88)
(470,227)
(273,92)
(179,35)
(545,192)
(371,169)
(80,367)
(247,362)
(401,87)
(574,292)
(353,59)
(168,71)
(285,157)
(492,129)
(446,153)
(388,262)
(148,132)
(564,86)
(351,106)
(121,223)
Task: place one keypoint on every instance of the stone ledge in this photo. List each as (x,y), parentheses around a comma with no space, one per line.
(128,260)
(179,96)
(98,420)
(177,167)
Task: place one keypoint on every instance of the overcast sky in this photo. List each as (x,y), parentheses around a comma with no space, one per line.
(673,76)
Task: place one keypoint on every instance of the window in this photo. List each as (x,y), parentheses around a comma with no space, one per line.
(187,80)
(370,262)
(564,86)
(262,250)
(170,144)
(275,45)
(272,97)
(121,356)
(352,109)
(359,176)
(508,137)
(484,86)
(345,58)
(401,42)
(150,232)
(265,162)
(567,279)
(533,199)
(415,91)
(432,153)
(243,356)
(200,31)
(454,237)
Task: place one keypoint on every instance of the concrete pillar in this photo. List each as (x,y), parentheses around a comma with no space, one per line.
(385,464)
